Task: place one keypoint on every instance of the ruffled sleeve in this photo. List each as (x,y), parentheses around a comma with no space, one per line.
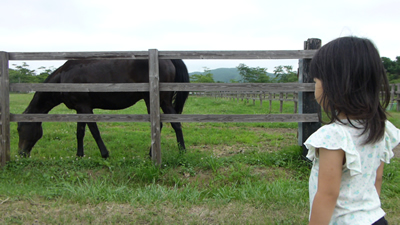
(334,137)
(392,139)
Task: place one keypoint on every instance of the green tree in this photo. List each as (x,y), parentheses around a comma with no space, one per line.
(253,74)
(205,77)
(392,69)
(22,74)
(285,74)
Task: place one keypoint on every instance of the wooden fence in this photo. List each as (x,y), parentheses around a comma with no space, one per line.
(288,96)
(254,96)
(394,97)
(307,116)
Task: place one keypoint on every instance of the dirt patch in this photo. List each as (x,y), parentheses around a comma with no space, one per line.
(287,138)
(271,174)
(28,212)
(396,151)
(271,140)
(224,150)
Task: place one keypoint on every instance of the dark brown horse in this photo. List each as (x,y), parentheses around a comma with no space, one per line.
(103,71)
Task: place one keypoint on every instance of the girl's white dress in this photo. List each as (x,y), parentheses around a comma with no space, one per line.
(358,201)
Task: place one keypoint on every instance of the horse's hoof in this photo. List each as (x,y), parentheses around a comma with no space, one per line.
(182,151)
(105,156)
(24,154)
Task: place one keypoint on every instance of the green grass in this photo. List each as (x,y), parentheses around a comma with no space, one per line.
(232,173)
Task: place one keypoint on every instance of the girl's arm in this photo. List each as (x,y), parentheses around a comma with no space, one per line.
(378,180)
(329,178)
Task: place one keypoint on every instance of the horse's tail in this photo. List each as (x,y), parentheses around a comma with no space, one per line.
(181,76)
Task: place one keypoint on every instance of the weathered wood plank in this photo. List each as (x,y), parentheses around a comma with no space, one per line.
(259,54)
(78,55)
(80,118)
(269,87)
(241,118)
(155,121)
(92,87)
(5,110)
(132,87)
(163,118)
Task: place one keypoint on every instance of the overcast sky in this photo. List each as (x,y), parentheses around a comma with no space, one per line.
(133,25)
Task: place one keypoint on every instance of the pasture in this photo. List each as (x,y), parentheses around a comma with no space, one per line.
(232,173)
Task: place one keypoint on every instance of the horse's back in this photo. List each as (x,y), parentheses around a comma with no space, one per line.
(108,71)
(112,71)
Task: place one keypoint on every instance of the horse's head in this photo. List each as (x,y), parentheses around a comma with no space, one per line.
(29,133)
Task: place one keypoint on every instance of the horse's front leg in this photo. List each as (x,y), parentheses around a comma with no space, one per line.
(96,135)
(80,134)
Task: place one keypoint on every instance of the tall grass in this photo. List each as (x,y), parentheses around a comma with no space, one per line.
(232,173)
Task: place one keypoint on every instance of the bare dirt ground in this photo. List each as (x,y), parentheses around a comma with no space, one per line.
(396,151)
(285,137)
(290,138)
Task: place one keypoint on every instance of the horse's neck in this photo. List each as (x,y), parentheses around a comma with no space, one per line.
(43,102)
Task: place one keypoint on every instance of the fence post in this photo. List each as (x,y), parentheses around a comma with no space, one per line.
(5,110)
(307,103)
(155,120)
(397,97)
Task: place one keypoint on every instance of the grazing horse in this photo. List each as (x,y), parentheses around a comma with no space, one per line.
(103,71)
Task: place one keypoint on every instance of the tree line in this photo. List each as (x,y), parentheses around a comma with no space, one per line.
(285,74)
(281,74)
(392,69)
(22,74)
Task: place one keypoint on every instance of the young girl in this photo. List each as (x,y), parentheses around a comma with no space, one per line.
(348,154)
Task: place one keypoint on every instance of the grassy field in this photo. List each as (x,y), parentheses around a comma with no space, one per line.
(232,173)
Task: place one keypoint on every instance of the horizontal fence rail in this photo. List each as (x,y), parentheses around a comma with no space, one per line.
(164,118)
(132,87)
(282,54)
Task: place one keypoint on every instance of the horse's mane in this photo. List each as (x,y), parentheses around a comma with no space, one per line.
(52,75)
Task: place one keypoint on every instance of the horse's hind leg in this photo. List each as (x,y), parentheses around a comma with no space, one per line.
(80,134)
(169,109)
(96,135)
(179,135)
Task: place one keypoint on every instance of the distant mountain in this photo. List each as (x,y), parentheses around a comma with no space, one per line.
(226,74)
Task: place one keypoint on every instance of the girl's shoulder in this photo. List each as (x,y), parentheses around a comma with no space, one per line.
(335,136)
(333,132)
(391,139)
(338,131)
(392,131)
(346,137)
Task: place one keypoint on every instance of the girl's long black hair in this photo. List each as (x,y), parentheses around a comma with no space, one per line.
(354,84)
